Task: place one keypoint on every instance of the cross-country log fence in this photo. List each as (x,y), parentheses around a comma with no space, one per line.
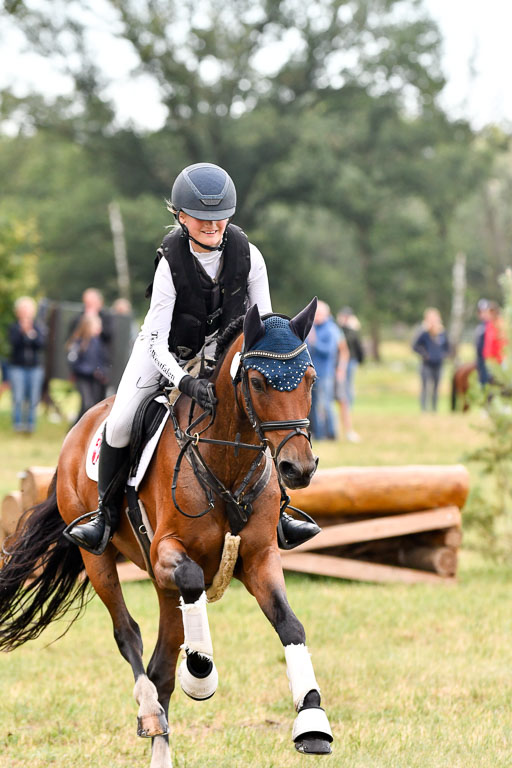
(379,523)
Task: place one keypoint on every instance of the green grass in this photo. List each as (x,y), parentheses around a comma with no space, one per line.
(411,676)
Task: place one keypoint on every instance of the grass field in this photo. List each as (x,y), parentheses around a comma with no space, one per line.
(411,676)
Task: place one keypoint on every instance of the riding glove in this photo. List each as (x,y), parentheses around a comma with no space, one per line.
(199,390)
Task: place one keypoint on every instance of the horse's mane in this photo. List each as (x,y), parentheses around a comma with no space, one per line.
(227,336)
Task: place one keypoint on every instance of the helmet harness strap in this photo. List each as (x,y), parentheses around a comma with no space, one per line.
(219,247)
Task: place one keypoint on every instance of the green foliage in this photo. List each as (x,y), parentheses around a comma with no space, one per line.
(349,177)
(19,253)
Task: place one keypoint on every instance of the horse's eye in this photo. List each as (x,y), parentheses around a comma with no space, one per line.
(257,384)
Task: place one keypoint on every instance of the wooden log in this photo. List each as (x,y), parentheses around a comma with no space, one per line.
(35,482)
(440,560)
(355,490)
(344,568)
(12,510)
(451,537)
(382,528)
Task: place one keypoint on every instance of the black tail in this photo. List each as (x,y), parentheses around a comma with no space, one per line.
(39,578)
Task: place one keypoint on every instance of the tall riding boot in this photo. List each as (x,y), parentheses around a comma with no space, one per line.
(292,532)
(94,535)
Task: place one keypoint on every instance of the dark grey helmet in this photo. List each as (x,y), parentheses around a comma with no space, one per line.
(204,191)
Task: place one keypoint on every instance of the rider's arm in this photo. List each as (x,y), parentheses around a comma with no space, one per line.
(158,321)
(257,282)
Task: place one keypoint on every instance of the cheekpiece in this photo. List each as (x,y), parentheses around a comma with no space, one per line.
(279,355)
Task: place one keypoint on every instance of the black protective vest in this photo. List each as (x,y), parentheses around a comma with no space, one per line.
(204,305)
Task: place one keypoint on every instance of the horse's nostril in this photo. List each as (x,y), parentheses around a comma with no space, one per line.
(288,469)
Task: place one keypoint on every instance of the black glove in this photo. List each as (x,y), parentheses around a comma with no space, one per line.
(199,390)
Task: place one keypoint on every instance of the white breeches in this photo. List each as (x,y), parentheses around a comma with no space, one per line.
(140,377)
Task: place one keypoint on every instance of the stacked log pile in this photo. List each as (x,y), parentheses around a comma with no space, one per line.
(383,523)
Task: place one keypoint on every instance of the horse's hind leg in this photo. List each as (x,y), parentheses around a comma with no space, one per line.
(263,577)
(152,721)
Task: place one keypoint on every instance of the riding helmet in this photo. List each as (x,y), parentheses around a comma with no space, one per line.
(204,191)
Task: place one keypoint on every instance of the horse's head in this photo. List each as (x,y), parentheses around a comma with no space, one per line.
(276,376)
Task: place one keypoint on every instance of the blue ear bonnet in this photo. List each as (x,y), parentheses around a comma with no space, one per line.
(279,355)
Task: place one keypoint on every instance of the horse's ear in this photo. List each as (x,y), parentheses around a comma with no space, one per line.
(302,323)
(254,329)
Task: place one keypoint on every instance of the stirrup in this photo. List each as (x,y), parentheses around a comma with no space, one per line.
(107,534)
(281,538)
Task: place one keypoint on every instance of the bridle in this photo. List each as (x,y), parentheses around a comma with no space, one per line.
(239,501)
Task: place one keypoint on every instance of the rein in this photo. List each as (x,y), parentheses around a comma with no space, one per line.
(239,502)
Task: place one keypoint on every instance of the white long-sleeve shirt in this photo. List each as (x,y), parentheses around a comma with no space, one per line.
(157,323)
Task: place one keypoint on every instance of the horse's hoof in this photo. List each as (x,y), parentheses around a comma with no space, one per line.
(313,744)
(198,688)
(149,726)
(311,732)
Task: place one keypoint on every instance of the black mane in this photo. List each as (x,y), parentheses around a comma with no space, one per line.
(227,336)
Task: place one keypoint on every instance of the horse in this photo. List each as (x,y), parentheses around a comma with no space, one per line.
(460,385)
(254,443)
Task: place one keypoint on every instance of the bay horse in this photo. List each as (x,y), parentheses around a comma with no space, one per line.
(460,385)
(40,579)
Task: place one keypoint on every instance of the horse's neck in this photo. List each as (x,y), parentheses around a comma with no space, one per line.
(231,423)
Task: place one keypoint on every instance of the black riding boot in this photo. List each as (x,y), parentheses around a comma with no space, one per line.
(94,535)
(292,532)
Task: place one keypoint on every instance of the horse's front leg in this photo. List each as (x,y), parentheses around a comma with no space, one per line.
(262,574)
(174,568)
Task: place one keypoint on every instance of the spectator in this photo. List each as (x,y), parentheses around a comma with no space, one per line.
(4,382)
(27,340)
(494,336)
(323,342)
(432,346)
(483,307)
(350,326)
(88,361)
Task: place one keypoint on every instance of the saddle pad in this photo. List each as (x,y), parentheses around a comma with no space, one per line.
(93,452)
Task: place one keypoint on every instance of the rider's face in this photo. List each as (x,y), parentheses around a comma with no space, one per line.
(207,232)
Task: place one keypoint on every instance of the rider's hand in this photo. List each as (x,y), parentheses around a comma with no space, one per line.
(199,390)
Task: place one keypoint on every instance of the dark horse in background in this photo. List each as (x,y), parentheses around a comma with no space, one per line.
(256,441)
(460,385)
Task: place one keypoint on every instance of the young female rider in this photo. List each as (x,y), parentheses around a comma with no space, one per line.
(207,275)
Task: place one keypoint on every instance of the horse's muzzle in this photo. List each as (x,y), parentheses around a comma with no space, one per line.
(297,474)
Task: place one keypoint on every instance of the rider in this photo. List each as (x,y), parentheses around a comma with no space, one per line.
(207,275)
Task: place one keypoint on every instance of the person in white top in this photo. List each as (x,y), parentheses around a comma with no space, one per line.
(207,274)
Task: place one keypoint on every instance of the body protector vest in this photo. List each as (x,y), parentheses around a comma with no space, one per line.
(204,305)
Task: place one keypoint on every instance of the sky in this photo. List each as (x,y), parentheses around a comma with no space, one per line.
(476,37)
(477,61)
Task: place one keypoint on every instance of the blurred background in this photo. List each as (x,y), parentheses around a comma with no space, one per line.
(369,143)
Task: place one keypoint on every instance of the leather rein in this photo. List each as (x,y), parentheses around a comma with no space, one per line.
(239,501)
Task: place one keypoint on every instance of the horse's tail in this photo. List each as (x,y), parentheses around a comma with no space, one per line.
(39,577)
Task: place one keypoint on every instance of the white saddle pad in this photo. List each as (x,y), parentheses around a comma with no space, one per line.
(93,452)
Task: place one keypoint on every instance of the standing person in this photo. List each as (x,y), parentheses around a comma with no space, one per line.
(432,346)
(88,360)
(483,308)
(323,342)
(27,340)
(494,337)
(207,274)
(350,327)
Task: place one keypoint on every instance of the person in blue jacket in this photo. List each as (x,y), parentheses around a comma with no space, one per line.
(432,346)
(323,342)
